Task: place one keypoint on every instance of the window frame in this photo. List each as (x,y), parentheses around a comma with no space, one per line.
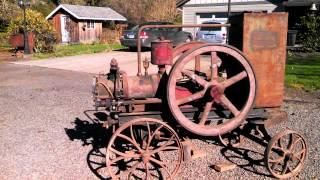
(90,24)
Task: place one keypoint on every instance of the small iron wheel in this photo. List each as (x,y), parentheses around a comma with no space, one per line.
(233,139)
(222,88)
(144,149)
(286,154)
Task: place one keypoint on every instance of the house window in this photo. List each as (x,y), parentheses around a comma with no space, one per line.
(90,24)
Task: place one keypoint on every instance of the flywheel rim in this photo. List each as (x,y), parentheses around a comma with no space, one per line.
(224,127)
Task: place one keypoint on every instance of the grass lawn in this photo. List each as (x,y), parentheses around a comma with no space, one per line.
(77,49)
(303,72)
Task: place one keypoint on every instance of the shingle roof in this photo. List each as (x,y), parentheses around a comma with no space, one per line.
(89,12)
(180,3)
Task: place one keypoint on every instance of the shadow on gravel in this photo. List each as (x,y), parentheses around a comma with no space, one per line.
(246,159)
(92,132)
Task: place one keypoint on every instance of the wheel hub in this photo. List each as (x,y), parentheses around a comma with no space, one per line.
(216,91)
(145,157)
(288,155)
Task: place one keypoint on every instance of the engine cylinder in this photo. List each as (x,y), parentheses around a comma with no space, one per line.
(141,86)
(127,87)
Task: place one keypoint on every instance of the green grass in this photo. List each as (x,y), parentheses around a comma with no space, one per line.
(77,49)
(303,72)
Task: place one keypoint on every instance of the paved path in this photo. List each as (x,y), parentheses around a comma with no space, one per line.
(93,63)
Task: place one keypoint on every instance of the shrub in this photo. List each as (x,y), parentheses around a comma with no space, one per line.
(309,30)
(109,37)
(3,39)
(36,23)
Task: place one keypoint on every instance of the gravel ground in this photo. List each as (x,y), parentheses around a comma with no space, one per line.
(45,133)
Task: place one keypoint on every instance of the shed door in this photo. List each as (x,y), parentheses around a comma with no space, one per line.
(65,35)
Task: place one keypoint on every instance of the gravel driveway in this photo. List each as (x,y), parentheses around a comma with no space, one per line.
(45,133)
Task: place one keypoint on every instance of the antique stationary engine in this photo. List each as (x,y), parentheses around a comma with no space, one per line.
(209,90)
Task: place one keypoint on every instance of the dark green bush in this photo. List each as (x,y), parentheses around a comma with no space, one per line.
(309,32)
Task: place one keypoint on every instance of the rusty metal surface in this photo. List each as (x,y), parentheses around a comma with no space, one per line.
(264,43)
(17,41)
(167,26)
(146,142)
(142,86)
(212,91)
(286,154)
(161,52)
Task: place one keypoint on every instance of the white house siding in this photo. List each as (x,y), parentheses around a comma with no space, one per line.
(216,1)
(194,8)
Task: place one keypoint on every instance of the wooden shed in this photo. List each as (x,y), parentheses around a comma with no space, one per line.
(82,24)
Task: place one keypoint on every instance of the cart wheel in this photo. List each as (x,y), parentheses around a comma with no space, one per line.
(222,89)
(233,139)
(286,154)
(144,149)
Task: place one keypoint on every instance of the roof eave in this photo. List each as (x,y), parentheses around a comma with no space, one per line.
(82,18)
(102,19)
(61,7)
(180,3)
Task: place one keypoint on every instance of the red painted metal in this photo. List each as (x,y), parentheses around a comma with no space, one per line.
(17,41)
(168,26)
(216,92)
(161,52)
(239,115)
(182,92)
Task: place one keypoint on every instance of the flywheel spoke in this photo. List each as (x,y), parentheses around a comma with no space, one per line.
(197,63)
(229,82)
(205,113)
(214,66)
(195,77)
(226,102)
(191,98)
